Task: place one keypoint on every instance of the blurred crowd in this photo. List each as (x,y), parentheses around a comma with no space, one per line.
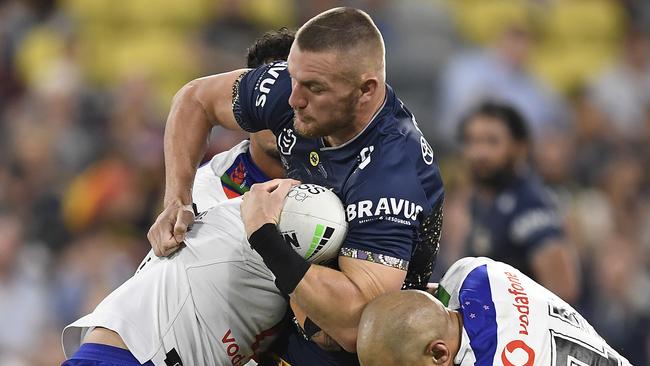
(85,87)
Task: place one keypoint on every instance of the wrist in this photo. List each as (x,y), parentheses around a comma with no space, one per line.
(256,224)
(177,200)
(285,263)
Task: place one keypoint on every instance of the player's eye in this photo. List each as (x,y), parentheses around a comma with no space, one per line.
(316,89)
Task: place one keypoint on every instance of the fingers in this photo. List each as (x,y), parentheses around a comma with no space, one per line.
(161,240)
(183,220)
(168,232)
(273,184)
(282,189)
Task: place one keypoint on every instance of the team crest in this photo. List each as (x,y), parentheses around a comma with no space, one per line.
(286,141)
(314,159)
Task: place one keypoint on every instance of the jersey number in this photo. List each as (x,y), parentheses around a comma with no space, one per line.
(570,352)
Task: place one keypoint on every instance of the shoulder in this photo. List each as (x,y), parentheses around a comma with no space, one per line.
(455,279)
(531,192)
(401,153)
(400,131)
(261,98)
(266,78)
(536,215)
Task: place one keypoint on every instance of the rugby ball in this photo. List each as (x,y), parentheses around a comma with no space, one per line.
(313,222)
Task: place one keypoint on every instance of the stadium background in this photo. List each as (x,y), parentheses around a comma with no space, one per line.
(85,87)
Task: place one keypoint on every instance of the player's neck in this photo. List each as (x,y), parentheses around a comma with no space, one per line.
(267,164)
(457,330)
(362,120)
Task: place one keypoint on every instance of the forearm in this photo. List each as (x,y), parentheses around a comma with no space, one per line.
(196,108)
(186,137)
(556,267)
(331,300)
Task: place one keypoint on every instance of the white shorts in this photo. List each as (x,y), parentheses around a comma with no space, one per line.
(214,302)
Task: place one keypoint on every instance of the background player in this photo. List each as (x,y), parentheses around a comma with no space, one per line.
(496,315)
(513,216)
(338,124)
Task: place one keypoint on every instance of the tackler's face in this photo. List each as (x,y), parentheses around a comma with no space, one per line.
(323,97)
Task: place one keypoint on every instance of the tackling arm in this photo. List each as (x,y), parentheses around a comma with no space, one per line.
(196,108)
(335,300)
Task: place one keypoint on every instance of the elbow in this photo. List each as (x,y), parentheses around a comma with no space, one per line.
(187,92)
(348,340)
(567,288)
(569,291)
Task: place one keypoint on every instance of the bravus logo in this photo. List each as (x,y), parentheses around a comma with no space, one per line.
(385,206)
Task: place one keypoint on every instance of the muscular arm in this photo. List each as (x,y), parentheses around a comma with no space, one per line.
(334,300)
(196,108)
(555,267)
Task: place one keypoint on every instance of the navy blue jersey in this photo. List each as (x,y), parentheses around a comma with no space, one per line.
(386,176)
(512,226)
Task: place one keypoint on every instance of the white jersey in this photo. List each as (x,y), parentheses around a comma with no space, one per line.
(214,302)
(508,319)
(209,190)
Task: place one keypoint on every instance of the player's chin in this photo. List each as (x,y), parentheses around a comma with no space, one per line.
(306,129)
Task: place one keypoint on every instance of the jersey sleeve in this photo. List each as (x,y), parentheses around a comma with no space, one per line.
(384,207)
(261,98)
(536,222)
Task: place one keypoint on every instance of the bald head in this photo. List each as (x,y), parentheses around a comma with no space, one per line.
(351,34)
(407,328)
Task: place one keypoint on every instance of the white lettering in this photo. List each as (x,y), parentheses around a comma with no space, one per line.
(418,209)
(265,85)
(274,70)
(265,89)
(260,100)
(382,206)
(364,208)
(386,208)
(396,206)
(351,211)
(409,213)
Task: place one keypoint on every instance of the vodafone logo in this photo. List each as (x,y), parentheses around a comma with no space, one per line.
(517,353)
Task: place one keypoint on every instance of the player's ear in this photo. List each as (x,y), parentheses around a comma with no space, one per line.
(439,352)
(368,88)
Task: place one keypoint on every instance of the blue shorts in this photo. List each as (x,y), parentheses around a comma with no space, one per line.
(93,354)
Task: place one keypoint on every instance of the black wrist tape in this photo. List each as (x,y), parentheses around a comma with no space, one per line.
(285,263)
(310,328)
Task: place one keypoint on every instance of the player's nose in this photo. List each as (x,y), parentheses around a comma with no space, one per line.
(297,98)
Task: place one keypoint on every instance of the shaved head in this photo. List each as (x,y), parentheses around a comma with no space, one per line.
(338,77)
(351,35)
(407,328)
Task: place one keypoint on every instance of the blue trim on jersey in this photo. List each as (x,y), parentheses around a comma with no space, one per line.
(93,354)
(256,174)
(479,315)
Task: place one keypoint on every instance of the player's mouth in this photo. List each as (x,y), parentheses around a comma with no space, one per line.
(304,119)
